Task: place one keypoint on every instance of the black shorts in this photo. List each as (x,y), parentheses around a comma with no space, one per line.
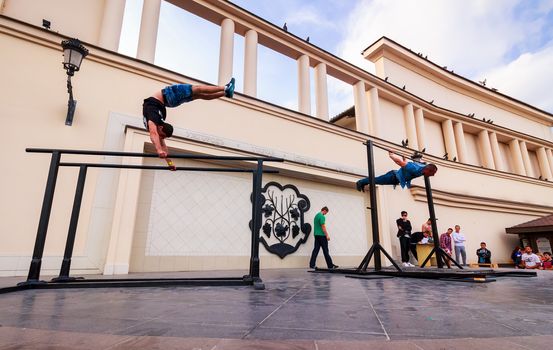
(153,110)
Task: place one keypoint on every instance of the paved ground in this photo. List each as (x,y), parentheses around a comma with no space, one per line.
(298,310)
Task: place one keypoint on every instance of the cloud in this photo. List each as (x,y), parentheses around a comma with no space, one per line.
(527,78)
(309,15)
(472,37)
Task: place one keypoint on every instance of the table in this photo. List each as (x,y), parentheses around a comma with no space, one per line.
(423,250)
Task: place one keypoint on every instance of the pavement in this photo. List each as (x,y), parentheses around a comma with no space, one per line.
(297,310)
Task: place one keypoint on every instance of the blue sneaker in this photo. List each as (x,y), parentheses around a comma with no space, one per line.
(229,88)
(359,186)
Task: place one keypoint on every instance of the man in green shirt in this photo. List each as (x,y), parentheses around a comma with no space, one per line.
(321,239)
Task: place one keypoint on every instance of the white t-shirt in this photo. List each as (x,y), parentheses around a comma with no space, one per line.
(530,259)
(459,239)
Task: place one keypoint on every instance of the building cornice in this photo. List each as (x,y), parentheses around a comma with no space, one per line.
(387,48)
(458,200)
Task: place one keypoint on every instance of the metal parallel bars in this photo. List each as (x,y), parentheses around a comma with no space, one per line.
(36,262)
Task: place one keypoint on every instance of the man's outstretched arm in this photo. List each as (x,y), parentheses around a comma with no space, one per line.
(156,140)
(169,161)
(399,160)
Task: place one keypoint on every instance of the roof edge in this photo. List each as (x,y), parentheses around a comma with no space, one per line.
(376,50)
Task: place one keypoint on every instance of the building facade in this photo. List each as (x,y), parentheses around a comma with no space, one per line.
(495,175)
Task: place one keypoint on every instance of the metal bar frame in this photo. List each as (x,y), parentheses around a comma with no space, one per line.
(462,275)
(72,232)
(149,155)
(441,255)
(36,262)
(65,281)
(376,248)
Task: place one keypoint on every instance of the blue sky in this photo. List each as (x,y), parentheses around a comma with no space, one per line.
(508,42)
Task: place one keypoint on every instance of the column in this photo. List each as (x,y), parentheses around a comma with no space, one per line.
(550,158)
(419,124)
(449,139)
(487,156)
(361,107)
(124,213)
(304,91)
(374,111)
(460,142)
(226,51)
(410,126)
(148,30)
(526,160)
(496,152)
(2,6)
(321,91)
(545,167)
(517,157)
(250,63)
(112,21)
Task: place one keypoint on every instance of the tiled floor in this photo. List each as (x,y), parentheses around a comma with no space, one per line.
(298,310)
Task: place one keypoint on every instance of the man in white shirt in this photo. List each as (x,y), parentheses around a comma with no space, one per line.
(459,240)
(530,260)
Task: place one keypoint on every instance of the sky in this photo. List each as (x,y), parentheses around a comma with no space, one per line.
(507,42)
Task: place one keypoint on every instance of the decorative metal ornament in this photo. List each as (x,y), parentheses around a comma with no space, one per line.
(283,226)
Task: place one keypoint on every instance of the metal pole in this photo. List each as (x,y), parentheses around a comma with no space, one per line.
(432,214)
(374,206)
(71,103)
(162,167)
(149,155)
(66,264)
(36,262)
(252,250)
(256,220)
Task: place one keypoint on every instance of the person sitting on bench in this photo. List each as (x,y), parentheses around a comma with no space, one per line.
(484,255)
(402,176)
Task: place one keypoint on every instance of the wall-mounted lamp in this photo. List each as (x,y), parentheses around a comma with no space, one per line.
(73,54)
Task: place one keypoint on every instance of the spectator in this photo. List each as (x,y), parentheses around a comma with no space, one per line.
(322,237)
(445,244)
(484,255)
(427,226)
(459,240)
(427,238)
(547,262)
(416,237)
(404,234)
(530,260)
(516,256)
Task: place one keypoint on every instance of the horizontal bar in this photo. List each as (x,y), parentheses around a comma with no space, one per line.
(149,155)
(165,167)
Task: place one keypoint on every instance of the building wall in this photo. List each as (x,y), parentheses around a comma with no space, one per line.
(80,18)
(445,95)
(200,221)
(116,229)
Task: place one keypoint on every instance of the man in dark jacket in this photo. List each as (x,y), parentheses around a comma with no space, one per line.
(484,255)
(404,234)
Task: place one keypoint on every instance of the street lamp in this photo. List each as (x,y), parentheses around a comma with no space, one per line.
(73,54)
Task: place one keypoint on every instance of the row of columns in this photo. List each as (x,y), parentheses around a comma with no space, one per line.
(455,146)
(147,45)
(367,108)
(366,105)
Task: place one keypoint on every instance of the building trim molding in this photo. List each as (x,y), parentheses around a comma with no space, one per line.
(457,200)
